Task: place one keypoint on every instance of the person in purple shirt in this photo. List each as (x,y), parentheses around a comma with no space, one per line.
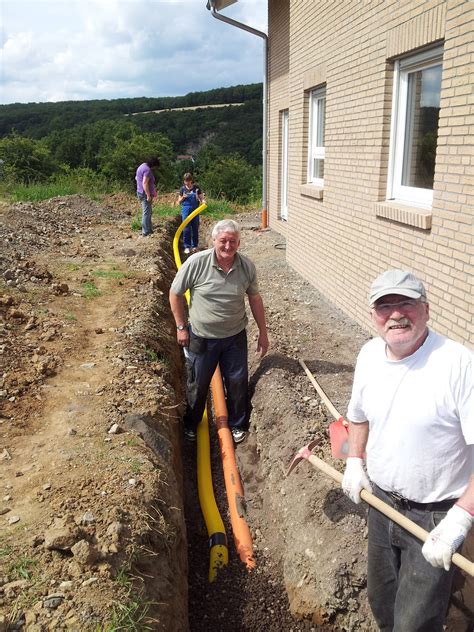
(146,191)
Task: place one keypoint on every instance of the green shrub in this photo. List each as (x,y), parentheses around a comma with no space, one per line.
(25,160)
(231,178)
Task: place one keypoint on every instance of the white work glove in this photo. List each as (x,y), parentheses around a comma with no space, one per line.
(447,537)
(355,479)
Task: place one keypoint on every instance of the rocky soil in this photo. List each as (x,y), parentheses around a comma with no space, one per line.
(100,527)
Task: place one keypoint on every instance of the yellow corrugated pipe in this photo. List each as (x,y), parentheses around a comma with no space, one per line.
(219,554)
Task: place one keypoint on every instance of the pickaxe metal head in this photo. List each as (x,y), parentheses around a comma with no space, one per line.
(303,453)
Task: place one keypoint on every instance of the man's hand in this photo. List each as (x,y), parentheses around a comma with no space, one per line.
(183,337)
(355,479)
(262,344)
(447,537)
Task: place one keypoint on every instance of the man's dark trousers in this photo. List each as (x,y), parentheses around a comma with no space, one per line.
(406,594)
(203,356)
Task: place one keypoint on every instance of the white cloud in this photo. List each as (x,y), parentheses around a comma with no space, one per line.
(54,50)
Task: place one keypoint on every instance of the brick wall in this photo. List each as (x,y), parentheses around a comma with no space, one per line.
(340,238)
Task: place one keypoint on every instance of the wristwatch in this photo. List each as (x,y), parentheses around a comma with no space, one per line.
(181,327)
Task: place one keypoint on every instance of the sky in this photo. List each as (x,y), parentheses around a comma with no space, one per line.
(63,50)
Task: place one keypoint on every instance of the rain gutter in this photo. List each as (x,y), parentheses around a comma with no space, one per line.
(213,5)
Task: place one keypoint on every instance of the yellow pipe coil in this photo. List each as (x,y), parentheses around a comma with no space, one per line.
(219,554)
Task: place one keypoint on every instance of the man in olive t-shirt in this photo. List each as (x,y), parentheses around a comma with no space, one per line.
(218,280)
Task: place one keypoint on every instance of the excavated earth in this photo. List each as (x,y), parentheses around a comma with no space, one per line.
(100,525)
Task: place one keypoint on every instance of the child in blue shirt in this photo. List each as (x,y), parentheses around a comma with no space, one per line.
(190,197)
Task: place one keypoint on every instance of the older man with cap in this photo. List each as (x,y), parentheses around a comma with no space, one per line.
(412,414)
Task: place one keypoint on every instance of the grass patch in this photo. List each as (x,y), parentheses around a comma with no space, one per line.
(22,568)
(132,616)
(218,209)
(40,192)
(73,267)
(165,210)
(90,290)
(109,274)
(123,578)
(136,466)
(80,181)
(151,354)
(5,550)
(70,317)
(136,223)
(159,210)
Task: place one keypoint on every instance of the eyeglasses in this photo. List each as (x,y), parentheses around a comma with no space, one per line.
(384,309)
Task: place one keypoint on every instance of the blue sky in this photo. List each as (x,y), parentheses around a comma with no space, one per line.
(61,50)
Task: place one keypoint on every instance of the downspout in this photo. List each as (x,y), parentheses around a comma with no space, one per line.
(211,5)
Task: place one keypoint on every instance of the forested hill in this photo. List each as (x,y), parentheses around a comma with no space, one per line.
(102,142)
(38,120)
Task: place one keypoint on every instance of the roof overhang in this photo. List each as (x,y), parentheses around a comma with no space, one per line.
(221,4)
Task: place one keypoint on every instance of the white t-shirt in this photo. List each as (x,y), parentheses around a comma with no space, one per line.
(421,418)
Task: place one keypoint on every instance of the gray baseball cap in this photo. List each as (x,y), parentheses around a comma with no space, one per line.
(396,282)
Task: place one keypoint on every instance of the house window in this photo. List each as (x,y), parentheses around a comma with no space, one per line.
(414,130)
(317,115)
(284,165)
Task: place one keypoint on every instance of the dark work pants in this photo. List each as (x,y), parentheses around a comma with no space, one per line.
(203,356)
(406,593)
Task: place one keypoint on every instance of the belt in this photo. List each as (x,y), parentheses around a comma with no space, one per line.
(406,503)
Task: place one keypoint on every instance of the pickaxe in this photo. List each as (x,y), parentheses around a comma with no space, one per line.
(307,453)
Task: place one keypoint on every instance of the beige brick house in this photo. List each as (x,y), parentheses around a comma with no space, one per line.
(371,147)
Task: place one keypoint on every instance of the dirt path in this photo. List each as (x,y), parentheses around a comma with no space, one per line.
(87,506)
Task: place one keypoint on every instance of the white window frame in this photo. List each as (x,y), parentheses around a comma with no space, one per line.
(403,67)
(315,151)
(285,122)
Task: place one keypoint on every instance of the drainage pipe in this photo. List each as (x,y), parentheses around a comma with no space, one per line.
(219,554)
(233,483)
(213,5)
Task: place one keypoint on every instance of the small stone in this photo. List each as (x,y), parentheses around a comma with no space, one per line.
(84,553)
(66,585)
(47,486)
(87,365)
(132,482)
(99,330)
(88,518)
(114,429)
(53,601)
(91,580)
(13,519)
(5,456)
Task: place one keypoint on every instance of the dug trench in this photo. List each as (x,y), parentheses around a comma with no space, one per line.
(101,527)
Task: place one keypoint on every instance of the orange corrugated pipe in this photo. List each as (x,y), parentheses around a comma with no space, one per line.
(233,483)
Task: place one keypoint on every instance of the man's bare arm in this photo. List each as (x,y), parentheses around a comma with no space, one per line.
(178,308)
(258,312)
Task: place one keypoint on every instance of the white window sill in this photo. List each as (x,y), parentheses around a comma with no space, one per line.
(312,190)
(404,214)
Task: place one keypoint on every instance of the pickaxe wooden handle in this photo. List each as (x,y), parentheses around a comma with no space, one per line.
(394,515)
(330,406)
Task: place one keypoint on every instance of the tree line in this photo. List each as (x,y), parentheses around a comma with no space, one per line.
(101,140)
